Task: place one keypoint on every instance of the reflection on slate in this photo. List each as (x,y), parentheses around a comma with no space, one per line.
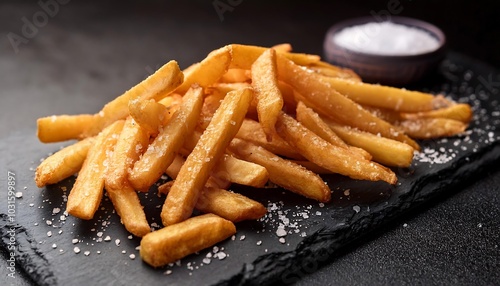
(296,236)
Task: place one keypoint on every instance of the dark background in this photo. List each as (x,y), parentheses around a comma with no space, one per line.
(91,51)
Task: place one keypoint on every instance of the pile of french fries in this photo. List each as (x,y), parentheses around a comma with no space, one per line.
(246,115)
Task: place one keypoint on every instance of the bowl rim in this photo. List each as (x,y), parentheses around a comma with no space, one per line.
(330,45)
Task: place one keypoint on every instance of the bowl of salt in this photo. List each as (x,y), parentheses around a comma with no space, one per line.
(397,52)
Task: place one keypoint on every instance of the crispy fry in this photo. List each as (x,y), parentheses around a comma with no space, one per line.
(129,147)
(384,150)
(86,194)
(329,156)
(284,173)
(382,96)
(318,94)
(229,205)
(267,92)
(460,111)
(310,119)
(251,131)
(129,208)
(148,114)
(156,86)
(284,47)
(57,128)
(160,153)
(240,172)
(194,173)
(63,163)
(228,169)
(236,76)
(208,71)
(330,70)
(427,128)
(176,241)
(245,55)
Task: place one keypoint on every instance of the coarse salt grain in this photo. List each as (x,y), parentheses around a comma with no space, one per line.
(386,38)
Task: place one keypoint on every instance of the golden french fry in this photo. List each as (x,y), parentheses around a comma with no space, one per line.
(398,99)
(229,205)
(87,191)
(267,92)
(284,173)
(228,170)
(130,210)
(428,128)
(151,115)
(148,114)
(327,69)
(57,128)
(176,241)
(194,173)
(245,55)
(235,76)
(158,85)
(284,47)
(251,131)
(313,167)
(317,93)
(208,71)
(460,111)
(63,163)
(131,144)
(160,153)
(310,119)
(329,156)
(241,172)
(384,150)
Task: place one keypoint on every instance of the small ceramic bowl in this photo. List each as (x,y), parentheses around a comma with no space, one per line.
(397,70)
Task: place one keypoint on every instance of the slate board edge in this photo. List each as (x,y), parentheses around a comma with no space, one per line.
(323,245)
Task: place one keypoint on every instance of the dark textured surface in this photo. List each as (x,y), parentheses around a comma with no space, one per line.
(88,54)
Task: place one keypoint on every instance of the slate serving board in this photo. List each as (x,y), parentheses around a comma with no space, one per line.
(53,248)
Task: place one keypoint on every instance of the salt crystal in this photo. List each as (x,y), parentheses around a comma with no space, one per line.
(87,253)
(242,237)
(19,195)
(54,245)
(386,38)
(282,240)
(49,233)
(132,256)
(280,232)
(74,240)
(117,242)
(107,238)
(207,260)
(357,209)
(76,249)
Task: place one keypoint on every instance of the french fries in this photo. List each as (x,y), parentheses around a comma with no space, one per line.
(267,92)
(194,173)
(246,115)
(173,242)
(283,172)
(86,194)
(63,163)
(229,205)
(160,153)
(329,156)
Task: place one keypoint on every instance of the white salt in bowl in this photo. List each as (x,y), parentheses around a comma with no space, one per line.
(399,52)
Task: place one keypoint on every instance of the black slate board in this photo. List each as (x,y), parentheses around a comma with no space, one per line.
(44,235)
